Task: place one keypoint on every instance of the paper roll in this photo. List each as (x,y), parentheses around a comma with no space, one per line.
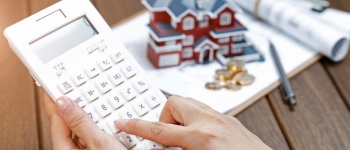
(301,26)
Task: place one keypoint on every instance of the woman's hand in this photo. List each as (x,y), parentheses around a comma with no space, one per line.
(192,125)
(66,117)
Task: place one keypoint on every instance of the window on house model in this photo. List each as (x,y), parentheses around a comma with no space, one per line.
(238,38)
(224,40)
(236,49)
(224,49)
(204,22)
(172,42)
(187,53)
(188,23)
(225,19)
(188,40)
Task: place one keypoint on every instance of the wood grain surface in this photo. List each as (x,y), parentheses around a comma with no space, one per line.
(260,120)
(320,120)
(18,126)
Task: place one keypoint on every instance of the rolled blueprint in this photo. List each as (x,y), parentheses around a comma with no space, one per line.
(308,30)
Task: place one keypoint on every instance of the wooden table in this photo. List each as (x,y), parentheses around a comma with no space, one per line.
(321,120)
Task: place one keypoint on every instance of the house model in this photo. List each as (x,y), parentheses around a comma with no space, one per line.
(192,30)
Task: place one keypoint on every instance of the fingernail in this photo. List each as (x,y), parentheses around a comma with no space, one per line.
(121,121)
(64,105)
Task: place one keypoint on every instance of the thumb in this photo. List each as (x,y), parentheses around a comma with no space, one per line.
(162,133)
(78,121)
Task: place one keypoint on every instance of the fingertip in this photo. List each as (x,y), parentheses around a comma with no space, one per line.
(121,122)
(64,105)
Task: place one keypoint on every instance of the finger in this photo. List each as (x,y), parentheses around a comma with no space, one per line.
(60,133)
(165,134)
(79,122)
(179,110)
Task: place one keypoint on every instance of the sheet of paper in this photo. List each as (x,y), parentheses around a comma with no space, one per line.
(305,28)
(190,81)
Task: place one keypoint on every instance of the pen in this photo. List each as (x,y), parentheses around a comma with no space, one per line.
(286,88)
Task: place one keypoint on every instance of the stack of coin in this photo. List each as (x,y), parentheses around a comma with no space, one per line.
(233,77)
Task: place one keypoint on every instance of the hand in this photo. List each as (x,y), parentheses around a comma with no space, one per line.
(66,117)
(192,125)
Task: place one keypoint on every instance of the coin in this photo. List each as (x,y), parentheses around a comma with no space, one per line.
(213,86)
(223,75)
(235,65)
(245,79)
(232,86)
(240,74)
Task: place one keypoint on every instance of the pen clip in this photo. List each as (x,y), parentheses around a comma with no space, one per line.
(283,93)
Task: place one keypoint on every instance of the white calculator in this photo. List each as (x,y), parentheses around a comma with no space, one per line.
(69,50)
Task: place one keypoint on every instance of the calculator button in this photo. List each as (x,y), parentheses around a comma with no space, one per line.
(92,114)
(128,92)
(90,92)
(103,85)
(128,70)
(102,108)
(139,147)
(128,114)
(117,56)
(140,85)
(79,78)
(104,128)
(104,63)
(111,125)
(140,107)
(78,98)
(92,71)
(116,76)
(152,100)
(115,99)
(128,140)
(140,138)
(110,121)
(149,145)
(65,86)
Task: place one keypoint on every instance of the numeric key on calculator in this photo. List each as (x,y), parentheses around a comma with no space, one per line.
(128,114)
(115,99)
(128,140)
(92,71)
(104,63)
(90,92)
(117,56)
(102,108)
(103,84)
(65,86)
(128,92)
(104,128)
(92,114)
(128,69)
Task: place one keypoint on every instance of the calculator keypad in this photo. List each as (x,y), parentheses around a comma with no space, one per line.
(111,88)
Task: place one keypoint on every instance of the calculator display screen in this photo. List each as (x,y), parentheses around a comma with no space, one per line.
(63,39)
